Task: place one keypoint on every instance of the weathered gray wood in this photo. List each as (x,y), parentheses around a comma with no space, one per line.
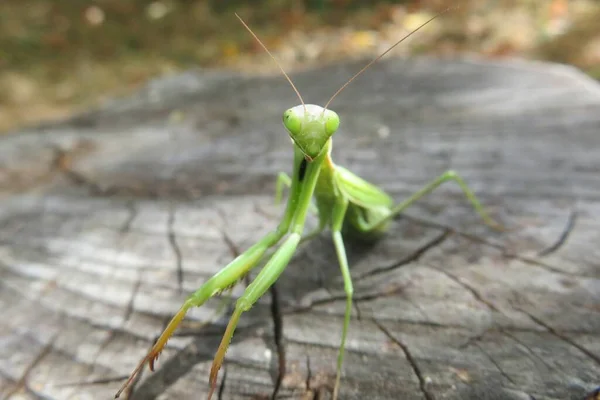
(109,219)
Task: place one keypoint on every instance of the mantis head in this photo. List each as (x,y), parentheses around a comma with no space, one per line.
(310,127)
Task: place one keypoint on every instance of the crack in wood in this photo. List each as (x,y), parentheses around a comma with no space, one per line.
(474,292)
(175,248)
(21,383)
(277,317)
(130,303)
(110,336)
(506,252)
(94,381)
(529,350)
(561,336)
(310,392)
(562,239)
(26,388)
(132,214)
(414,256)
(308,376)
(222,385)
(62,163)
(409,357)
(476,338)
(342,297)
(493,361)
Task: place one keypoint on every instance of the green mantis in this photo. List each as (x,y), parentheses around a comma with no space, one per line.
(344,202)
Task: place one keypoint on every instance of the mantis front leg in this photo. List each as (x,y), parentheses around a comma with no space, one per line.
(302,191)
(267,276)
(284,180)
(223,279)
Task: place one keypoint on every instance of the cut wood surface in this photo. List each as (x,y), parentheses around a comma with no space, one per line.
(108,220)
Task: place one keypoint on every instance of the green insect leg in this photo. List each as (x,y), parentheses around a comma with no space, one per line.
(284,180)
(267,276)
(274,267)
(223,279)
(339,212)
(445,177)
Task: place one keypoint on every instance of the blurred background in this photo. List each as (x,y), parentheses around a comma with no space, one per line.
(61,56)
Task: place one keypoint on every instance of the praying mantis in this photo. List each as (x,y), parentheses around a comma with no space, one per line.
(344,202)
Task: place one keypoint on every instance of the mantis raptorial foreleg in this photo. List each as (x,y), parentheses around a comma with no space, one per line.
(220,311)
(284,179)
(449,175)
(223,279)
(302,190)
(266,277)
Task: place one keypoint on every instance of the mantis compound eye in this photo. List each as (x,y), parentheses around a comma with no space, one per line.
(292,122)
(332,122)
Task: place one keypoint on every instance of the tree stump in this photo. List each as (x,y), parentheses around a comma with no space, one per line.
(108,220)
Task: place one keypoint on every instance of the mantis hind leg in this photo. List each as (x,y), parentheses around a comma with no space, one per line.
(445,177)
(339,212)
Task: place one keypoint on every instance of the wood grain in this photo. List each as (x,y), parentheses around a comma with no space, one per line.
(109,219)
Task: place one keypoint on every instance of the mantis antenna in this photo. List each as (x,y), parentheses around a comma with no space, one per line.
(384,53)
(274,59)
